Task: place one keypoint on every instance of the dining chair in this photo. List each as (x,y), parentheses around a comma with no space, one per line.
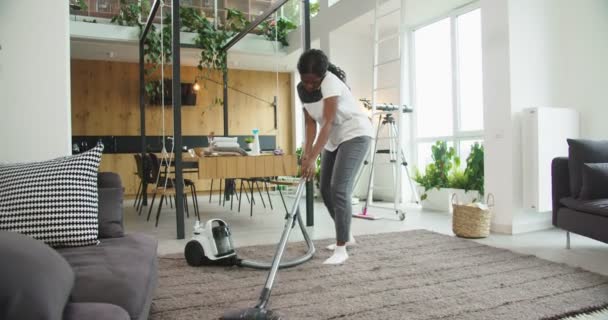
(145,178)
(250,182)
(166,187)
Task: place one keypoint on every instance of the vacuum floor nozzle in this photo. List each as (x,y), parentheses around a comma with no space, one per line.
(251,314)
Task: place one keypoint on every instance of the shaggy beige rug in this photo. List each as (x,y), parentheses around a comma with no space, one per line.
(404,275)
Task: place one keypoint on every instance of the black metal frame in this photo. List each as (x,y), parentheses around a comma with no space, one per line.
(176,80)
(177,108)
(142,93)
(310,205)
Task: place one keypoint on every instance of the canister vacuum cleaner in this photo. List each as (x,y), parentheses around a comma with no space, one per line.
(211,245)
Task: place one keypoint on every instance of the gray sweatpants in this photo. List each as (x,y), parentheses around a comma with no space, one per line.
(338,170)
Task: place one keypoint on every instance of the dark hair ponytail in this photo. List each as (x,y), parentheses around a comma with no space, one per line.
(337,71)
(315,61)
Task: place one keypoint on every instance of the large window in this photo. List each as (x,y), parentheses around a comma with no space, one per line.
(447,79)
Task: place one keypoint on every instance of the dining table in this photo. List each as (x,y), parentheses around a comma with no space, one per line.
(240,167)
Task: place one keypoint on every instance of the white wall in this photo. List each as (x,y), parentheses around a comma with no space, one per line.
(347,53)
(559,50)
(542,53)
(34,80)
(582,77)
(561,64)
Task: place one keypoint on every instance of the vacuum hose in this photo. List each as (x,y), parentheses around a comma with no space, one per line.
(293,214)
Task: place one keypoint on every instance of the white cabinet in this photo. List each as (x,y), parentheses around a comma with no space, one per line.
(544,134)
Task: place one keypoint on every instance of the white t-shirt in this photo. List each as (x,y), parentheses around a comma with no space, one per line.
(350,121)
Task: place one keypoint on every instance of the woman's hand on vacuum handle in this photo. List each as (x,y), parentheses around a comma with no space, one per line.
(308,167)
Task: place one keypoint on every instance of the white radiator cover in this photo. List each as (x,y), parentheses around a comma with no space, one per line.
(544,134)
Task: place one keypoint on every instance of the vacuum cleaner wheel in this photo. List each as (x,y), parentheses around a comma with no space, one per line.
(195,255)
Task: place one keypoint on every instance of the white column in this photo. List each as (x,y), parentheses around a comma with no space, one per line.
(499,138)
(34,80)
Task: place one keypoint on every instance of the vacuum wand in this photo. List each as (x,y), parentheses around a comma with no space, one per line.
(295,210)
(259,312)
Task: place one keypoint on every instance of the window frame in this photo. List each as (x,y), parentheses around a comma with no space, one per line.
(458,135)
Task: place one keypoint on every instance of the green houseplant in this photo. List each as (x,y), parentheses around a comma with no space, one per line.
(444,177)
(437,173)
(475,169)
(249,142)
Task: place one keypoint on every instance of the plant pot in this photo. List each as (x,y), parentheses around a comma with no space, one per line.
(441,199)
(250,146)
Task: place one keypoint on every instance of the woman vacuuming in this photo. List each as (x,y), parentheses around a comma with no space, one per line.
(344,136)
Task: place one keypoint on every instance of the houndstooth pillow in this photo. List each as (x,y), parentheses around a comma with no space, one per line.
(54,201)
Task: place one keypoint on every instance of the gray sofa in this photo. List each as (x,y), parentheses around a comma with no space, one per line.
(572,211)
(113,280)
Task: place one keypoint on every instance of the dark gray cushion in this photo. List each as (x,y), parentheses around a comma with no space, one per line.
(581,152)
(595,181)
(94,311)
(35,281)
(120,271)
(598,206)
(110,213)
(108,180)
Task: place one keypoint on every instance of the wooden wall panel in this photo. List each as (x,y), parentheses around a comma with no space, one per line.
(105,102)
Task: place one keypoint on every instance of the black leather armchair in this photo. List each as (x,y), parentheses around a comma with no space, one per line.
(588,218)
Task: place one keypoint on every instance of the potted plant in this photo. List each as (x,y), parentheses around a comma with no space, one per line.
(443,178)
(249,142)
(475,169)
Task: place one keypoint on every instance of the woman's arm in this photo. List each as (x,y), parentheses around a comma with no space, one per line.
(310,129)
(330,105)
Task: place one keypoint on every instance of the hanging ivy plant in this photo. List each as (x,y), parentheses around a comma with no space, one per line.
(128,14)
(235,20)
(211,41)
(209,38)
(277,29)
(78,5)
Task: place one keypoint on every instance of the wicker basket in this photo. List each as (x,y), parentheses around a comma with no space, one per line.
(471,222)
